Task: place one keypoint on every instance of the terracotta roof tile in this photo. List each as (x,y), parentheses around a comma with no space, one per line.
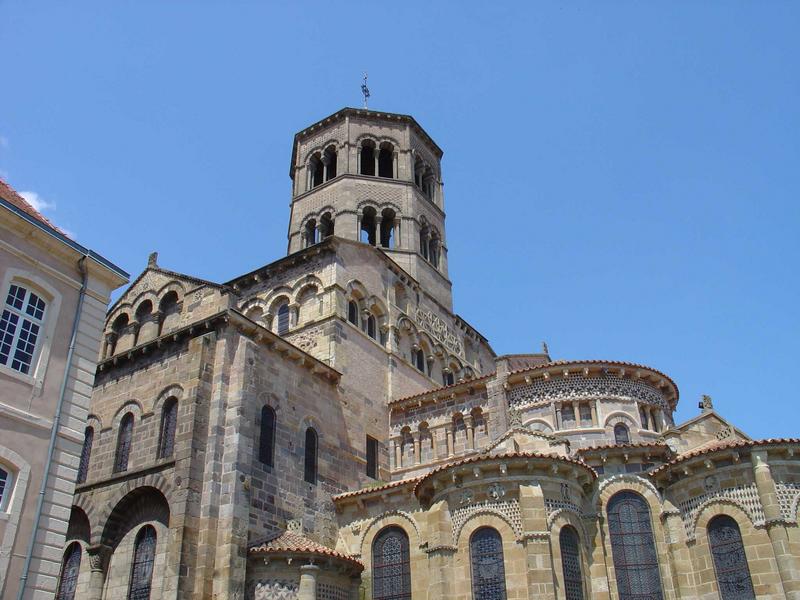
(723,445)
(624,446)
(377,488)
(9,194)
(442,388)
(290,542)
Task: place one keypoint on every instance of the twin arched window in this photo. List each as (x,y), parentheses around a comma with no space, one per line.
(488,570)
(311,451)
(266,439)
(86,454)
(571,562)
(20,328)
(633,547)
(621,435)
(169,423)
(124,440)
(377,160)
(730,561)
(391,573)
(70,567)
(144,554)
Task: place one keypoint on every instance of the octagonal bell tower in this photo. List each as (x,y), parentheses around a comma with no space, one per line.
(375,178)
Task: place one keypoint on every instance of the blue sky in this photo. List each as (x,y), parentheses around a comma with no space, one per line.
(621,178)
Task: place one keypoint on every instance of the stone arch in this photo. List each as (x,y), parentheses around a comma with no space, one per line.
(174,390)
(356,289)
(253,303)
(129,406)
(93,420)
(627,481)
(545,427)
(84,502)
(484,515)
(140,505)
(568,516)
(146,295)
(172,286)
(397,518)
(276,296)
(720,506)
(134,487)
(321,147)
(620,416)
(556,522)
(79,527)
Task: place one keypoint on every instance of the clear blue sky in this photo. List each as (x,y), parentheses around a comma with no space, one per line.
(621,178)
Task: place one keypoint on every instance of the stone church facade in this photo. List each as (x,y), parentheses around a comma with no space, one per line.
(326,427)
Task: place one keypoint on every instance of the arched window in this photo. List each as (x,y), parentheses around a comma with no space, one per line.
(170,311)
(423,242)
(283,319)
(5,487)
(388,217)
(418,358)
(352,312)
(329,160)
(368,158)
(391,572)
(311,233)
(372,329)
(70,567)
(124,438)
(433,251)
(266,439)
(368,226)
(633,547)
(86,454)
(144,554)
(326,225)
(621,434)
(386,161)
(730,561)
(316,170)
(488,571)
(448,378)
(643,417)
(20,328)
(169,423)
(310,470)
(571,563)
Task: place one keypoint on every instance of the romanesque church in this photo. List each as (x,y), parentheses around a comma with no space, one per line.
(326,427)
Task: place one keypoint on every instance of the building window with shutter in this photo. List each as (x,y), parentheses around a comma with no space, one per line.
(372,457)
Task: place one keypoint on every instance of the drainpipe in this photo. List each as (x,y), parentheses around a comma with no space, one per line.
(56,423)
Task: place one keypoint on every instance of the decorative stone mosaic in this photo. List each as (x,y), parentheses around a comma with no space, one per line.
(330,591)
(542,391)
(556,505)
(745,496)
(273,589)
(508,509)
(434,325)
(788,494)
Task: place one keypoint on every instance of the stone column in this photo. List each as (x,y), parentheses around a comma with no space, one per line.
(536,541)
(326,162)
(378,231)
(788,565)
(449,436)
(111,343)
(98,563)
(577,413)
(308,582)
(377,155)
(470,432)
(396,454)
(417,448)
(434,443)
(558,415)
(593,407)
(597,567)
(397,237)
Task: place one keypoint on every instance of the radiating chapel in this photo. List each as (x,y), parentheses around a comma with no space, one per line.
(326,427)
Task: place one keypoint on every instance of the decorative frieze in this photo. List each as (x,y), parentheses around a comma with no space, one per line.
(434,325)
(545,391)
(788,498)
(744,496)
(273,589)
(508,510)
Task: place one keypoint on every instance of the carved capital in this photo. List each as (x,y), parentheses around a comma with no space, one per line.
(98,557)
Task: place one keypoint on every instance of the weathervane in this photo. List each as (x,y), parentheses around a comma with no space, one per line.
(365,90)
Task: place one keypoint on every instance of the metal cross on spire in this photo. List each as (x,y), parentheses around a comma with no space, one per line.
(365,90)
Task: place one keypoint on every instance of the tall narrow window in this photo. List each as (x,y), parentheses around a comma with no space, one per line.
(20,328)
(169,423)
(124,439)
(488,571)
(571,563)
(352,312)
(372,330)
(368,158)
(419,360)
(386,162)
(266,440)
(391,572)
(730,561)
(372,457)
(621,434)
(70,567)
(448,378)
(283,319)
(643,417)
(633,547)
(86,454)
(310,470)
(5,487)
(144,554)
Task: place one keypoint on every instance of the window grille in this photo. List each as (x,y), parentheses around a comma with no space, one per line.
(312,441)
(4,483)
(488,571)
(391,573)
(633,548)
(621,434)
(571,563)
(730,561)
(124,439)
(169,423)
(144,554)
(283,319)
(86,454)
(352,312)
(70,568)
(20,328)
(372,457)
(266,440)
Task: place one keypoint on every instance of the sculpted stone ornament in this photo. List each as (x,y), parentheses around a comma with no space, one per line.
(706,404)
(514,418)
(466,496)
(438,328)
(496,491)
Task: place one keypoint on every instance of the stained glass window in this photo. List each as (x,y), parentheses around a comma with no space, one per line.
(86,454)
(124,439)
(730,561)
(571,563)
(144,554)
(20,328)
(266,439)
(283,319)
(633,548)
(70,568)
(391,574)
(621,434)
(311,456)
(169,423)
(488,571)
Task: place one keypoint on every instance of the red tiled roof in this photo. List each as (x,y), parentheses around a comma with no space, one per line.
(723,445)
(289,542)
(377,488)
(444,387)
(9,194)
(505,455)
